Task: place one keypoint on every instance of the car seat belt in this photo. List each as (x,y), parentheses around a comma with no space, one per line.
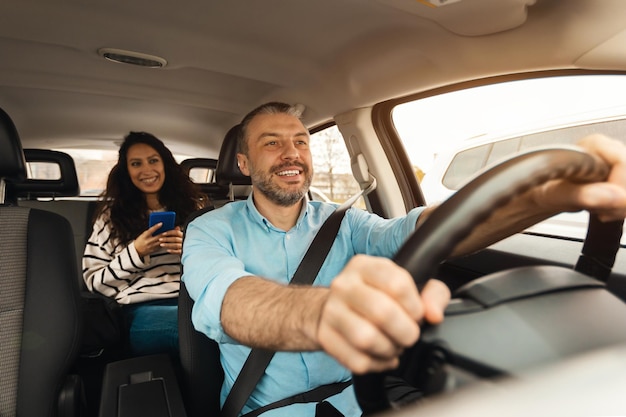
(258,359)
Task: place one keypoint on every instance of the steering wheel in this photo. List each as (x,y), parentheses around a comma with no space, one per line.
(434,241)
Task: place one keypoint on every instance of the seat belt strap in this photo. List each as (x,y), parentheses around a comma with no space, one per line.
(258,359)
(313,396)
(600,248)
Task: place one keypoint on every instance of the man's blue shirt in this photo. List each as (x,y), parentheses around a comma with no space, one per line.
(234,241)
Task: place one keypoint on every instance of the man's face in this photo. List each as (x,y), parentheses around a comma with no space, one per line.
(279,159)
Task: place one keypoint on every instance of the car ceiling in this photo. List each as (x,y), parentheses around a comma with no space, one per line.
(226,57)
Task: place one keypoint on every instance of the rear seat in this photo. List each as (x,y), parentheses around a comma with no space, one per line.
(44,194)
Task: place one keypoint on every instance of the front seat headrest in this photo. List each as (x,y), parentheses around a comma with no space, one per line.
(227,171)
(12,161)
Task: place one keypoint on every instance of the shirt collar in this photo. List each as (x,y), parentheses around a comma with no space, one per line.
(258,217)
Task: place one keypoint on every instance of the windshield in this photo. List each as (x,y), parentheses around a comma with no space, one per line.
(451,137)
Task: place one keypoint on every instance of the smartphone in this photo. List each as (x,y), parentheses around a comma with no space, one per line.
(168,218)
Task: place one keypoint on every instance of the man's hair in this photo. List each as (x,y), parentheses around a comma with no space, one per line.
(273,107)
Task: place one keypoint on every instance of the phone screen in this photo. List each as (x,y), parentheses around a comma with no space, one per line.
(168,218)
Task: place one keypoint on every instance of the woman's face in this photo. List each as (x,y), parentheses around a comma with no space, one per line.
(145,167)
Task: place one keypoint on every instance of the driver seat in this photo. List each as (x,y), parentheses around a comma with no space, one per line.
(227,173)
(202,373)
(39,299)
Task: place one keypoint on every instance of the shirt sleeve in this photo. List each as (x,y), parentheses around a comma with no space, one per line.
(109,268)
(209,268)
(373,235)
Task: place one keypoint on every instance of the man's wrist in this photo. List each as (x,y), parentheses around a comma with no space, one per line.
(313,316)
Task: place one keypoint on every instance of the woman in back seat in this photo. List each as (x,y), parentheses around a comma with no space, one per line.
(123,260)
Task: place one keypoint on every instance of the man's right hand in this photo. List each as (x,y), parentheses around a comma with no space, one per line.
(373,312)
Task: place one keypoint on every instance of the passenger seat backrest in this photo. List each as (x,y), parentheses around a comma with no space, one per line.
(42,194)
(39,299)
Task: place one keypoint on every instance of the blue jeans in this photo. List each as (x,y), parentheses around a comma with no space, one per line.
(153,327)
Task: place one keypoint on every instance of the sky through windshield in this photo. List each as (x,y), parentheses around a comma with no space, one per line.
(437,123)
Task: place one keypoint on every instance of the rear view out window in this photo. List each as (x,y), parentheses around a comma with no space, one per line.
(43,171)
(93,167)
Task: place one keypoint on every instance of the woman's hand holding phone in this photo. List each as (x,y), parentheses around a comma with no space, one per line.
(172,241)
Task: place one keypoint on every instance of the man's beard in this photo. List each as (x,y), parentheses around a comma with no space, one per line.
(263,183)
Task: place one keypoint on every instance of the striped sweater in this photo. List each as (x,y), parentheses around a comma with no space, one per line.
(119,272)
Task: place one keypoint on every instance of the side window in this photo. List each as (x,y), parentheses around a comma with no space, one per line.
(333,180)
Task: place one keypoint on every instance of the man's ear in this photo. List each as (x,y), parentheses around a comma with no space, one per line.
(242,163)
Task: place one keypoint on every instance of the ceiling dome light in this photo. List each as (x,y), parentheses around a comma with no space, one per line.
(132,58)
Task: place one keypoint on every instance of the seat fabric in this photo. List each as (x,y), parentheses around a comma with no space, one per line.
(39,300)
(202,373)
(227,173)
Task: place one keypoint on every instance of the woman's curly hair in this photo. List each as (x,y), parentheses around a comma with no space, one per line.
(125,205)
